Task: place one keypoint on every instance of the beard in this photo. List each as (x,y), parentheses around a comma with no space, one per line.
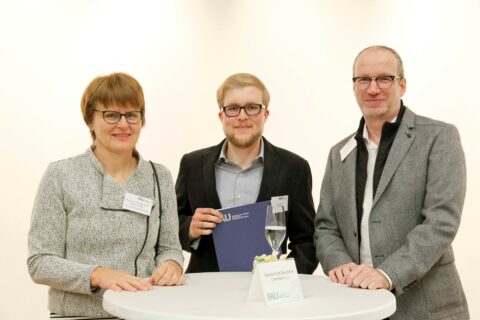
(243,142)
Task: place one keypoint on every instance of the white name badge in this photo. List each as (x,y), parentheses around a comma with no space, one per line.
(277,280)
(137,204)
(280,201)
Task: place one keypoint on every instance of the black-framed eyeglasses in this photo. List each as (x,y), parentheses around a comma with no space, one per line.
(383,82)
(112,117)
(252,109)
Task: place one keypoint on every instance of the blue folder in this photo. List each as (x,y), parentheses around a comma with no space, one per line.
(241,236)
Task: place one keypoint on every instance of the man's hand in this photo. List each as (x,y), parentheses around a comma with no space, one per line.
(117,280)
(339,274)
(204,220)
(363,276)
(359,276)
(169,273)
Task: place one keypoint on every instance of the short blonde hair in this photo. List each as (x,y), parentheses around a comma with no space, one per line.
(118,88)
(239,80)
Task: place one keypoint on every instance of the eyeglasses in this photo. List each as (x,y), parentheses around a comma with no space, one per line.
(250,109)
(112,117)
(383,82)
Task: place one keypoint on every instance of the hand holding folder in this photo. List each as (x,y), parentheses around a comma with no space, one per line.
(241,236)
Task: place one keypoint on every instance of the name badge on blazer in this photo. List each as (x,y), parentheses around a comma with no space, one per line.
(280,201)
(347,148)
(137,204)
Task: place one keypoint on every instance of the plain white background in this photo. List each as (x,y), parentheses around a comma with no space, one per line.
(181,51)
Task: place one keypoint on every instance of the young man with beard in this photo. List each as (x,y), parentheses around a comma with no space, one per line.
(244,168)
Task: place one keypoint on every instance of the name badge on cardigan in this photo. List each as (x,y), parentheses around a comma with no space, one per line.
(137,204)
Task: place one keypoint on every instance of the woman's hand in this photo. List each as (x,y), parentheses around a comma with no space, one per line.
(169,273)
(117,280)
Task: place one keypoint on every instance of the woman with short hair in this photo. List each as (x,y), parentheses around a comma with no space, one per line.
(105,219)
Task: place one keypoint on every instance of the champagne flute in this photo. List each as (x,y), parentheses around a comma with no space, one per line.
(275,229)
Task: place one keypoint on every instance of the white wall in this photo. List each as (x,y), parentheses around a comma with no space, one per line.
(181,51)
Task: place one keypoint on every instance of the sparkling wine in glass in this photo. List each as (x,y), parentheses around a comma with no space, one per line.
(275,229)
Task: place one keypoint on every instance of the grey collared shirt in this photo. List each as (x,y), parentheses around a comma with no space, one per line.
(237,186)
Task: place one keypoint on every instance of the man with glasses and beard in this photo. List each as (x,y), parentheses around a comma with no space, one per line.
(392,197)
(244,168)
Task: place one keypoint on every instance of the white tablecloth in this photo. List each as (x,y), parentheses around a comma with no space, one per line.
(221,295)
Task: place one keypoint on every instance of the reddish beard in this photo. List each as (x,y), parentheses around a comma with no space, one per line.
(244,142)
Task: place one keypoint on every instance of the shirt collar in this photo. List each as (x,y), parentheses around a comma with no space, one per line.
(223,156)
(366,136)
(388,131)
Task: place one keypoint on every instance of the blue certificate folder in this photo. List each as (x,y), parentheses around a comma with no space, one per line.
(241,236)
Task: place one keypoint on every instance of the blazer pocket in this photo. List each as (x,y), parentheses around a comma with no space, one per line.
(443,288)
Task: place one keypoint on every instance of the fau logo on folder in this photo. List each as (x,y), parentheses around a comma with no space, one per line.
(241,236)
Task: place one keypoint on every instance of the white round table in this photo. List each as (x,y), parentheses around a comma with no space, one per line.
(222,295)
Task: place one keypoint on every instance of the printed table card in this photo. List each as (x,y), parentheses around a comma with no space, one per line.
(277,280)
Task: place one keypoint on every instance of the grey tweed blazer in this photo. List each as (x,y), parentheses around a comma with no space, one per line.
(415,216)
(78,224)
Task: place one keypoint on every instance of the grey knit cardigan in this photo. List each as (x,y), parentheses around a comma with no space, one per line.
(78,224)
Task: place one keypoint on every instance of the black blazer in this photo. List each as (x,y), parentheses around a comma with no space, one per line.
(285,173)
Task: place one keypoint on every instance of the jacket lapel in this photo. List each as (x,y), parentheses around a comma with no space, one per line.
(209,161)
(348,205)
(402,143)
(272,165)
